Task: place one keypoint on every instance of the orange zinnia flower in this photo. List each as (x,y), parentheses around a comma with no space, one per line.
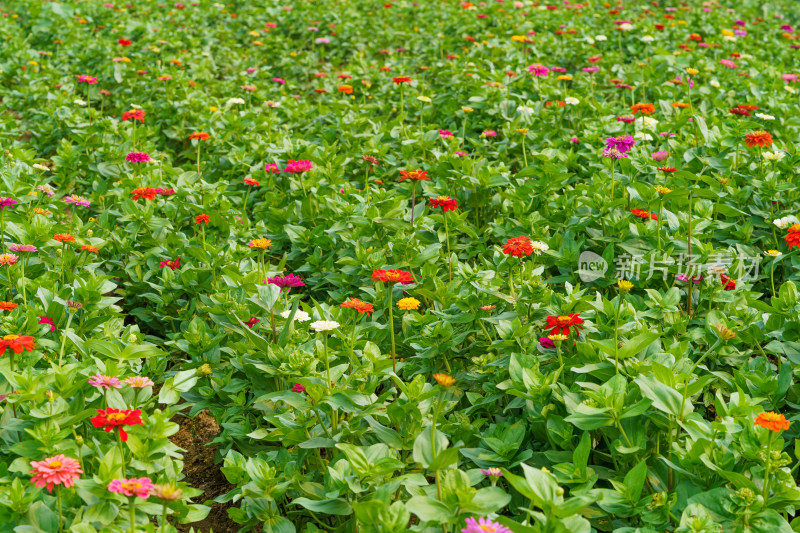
(647,109)
(518,246)
(394,276)
(793,237)
(89,248)
(772,421)
(358,305)
(148,193)
(419,175)
(444,380)
(17,343)
(346,89)
(560,324)
(251,181)
(202,219)
(680,105)
(401,79)
(758,138)
(203,136)
(8,306)
(64,237)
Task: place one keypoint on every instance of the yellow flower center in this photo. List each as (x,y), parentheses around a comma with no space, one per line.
(564,319)
(54,464)
(11,337)
(116,417)
(132,486)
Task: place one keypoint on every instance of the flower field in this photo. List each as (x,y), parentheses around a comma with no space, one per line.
(366,267)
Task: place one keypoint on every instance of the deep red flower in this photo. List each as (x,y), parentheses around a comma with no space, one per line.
(174,264)
(518,246)
(560,324)
(124,42)
(445,202)
(729,284)
(401,79)
(252,322)
(136,114)
(111,418)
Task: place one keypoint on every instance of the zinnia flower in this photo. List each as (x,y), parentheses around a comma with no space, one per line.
(393,276)
(297,167)
(8,306)
(298,388)
(728,283)
(17,343)
(111,418)
(445,380)
(56,470)
(758,138)
(137,157)
(546,342)
(202,219)
(772,421)
(644,214)
(660,155)
(173,264)
(647,109)
(76,200)
(8,259)
(324,325)
(358,305)
(252,322)
(140,487)
(445,202)
(623,143)
(271,168)
(139,382)
(793,237)
(419,175)
(49,321)
(288,281)
(408,304)
(261,244)
(102,381)
(200,135)
(144,192)
(27,248)
(7,202)
(560,324)
(518,246)
(64,237)
(484,525)
(137,114)
(399,80)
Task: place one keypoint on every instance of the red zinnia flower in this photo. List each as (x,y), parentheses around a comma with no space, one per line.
(730,284)
(739,111)
(758,138)
(518,246)
(17,343)
(8,306)
(667,169)
(445,202)
(124,42)
(419,175)
(202,219)
(203,136)
(401,79)
(394,276)
(251,181)
(136,114)
(793,237)
(174,264)
(560,324)
(111,418)
(148,193)
(644,214)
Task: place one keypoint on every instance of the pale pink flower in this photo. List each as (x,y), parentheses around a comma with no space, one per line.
(139,382)
(140,487)
(104,382)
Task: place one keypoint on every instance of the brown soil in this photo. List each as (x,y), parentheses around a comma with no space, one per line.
(202,473)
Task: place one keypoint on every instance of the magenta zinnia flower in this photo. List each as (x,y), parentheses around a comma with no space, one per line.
(445,133)
(7,202)
(252,322)
(297,167)
(613,153)
(49,321)
(91,80)
(27,248)
(298,388)
(538,69)
(56,470)
(546,342)
(102,381)
(623,143)
(271,168)
(77,200)
(140,487)
(138,157)
(484,525)
(288,281)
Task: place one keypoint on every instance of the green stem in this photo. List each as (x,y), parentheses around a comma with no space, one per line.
(391,326)
(660,219)
(60,511)
(64,340)
(447,240)
(616,331)
(765,491)
(164,518)
(132,509)
(691,373)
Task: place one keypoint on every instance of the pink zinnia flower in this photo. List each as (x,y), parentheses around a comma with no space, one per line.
(627,119)
(484,525)
(49,321)
(298,388)
(538,69)
(574,140)
(7,202)
(77,200)
(28,248)
(660,156)
(789,78)
(271,168)
(489,133)
(297,167)
(288,281)
(279,80)
(140,487)
(445,133)
(728,63)
(590,69)
(252,322)
(56,470)
(91,80)
(8,259)
(139,382)
(104,382)
(138,157)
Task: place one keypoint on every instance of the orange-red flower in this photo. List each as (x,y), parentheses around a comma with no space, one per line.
(17,343)
(647,109)
(560,324)
(401,79)
(644,214)
(758,138)
(728,283)
(89,248)
(772,421)
(8,306)
(346,89)
(136,114)
(419,175)
(203,136)
(445,202)
(251,181)
(202,219)
(64,237)
(148,193)
(518,246)
(748,107)
(793,237)
(358,305)
(111,418)
(393,276)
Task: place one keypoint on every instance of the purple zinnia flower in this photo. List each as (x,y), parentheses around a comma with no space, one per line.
(484,525)
(546,342)
(29,248)
(289,281)
(7,202)
(138,157)
(660,156)
(623,144)
(77,200)
(494,472)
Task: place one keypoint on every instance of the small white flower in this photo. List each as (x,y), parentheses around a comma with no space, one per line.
(601,38)
(571,101)
(764,116)
(424,99)
(786,221)
(774,156)
(642,136)
(746,56)
(646,123)
(648,38)
(790,89)
(324,325)
(300,316)
(626,27)
(714,83)
(539,247)
(270,103)
(134,106)
(729,38)
(232,101)
(79,102)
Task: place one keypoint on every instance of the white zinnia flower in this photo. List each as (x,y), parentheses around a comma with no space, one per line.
(648,38)
(270,103)
(791,90)
(646,123)
(424,99)
(232,101)
(714,83)
(324,325)
(300,316)
(774,156)
(539,247)
(642,136)
(764,116)
(601,38)
(786,221)
(37,166)
(626,27)
(571,101)
(79,102)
